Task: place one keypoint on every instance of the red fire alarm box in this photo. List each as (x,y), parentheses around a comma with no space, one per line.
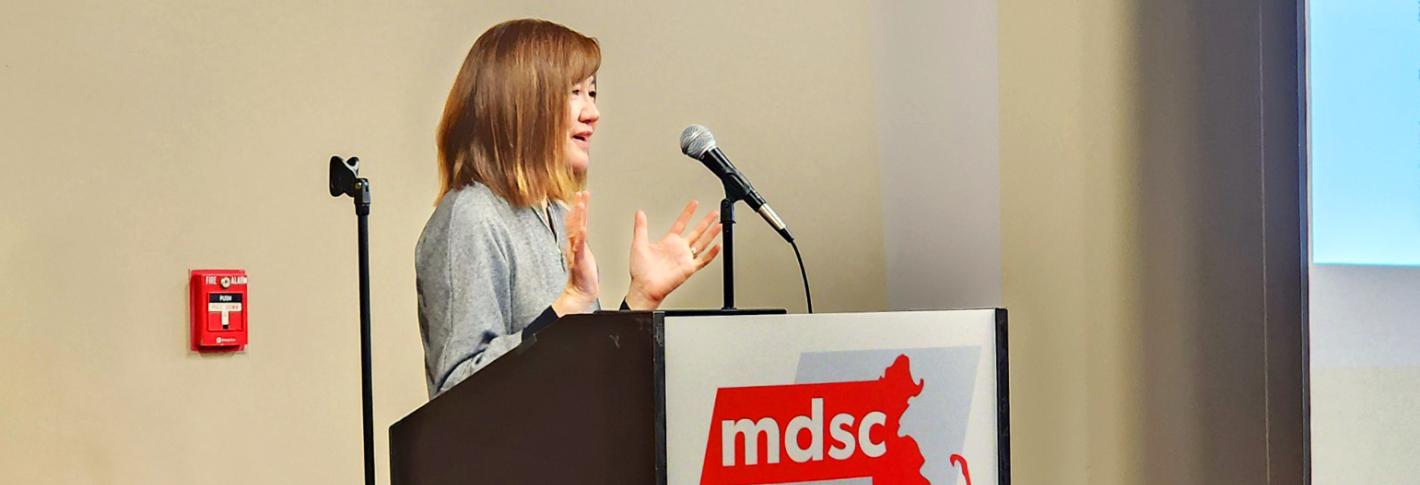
(219,310)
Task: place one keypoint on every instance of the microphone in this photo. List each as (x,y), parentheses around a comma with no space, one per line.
(697,142)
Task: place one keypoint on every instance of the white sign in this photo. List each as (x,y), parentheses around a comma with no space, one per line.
(903,397)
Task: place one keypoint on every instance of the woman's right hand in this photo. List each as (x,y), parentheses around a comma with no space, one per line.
(582,286)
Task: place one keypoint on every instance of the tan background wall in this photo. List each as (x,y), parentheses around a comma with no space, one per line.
(935,72)
(1069,251)
(141,139)
(1151,254)
(144,140)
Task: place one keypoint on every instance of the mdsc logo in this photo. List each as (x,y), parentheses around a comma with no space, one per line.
(819,429)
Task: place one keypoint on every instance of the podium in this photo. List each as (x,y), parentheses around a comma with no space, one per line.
(643,397)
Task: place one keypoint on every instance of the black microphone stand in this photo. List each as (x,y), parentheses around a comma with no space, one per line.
(345,180)
(727,239)
(733,193)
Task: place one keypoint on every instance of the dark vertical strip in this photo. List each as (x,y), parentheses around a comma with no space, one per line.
(367,406)
(1304,226)
(1003,402)
(658,357)
(1282,75)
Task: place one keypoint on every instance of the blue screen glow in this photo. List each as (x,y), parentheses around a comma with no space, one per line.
(1365,131)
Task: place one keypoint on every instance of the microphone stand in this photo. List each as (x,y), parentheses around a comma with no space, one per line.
(733,193)
(727,244)
(362,213)
(345,180)
(727,240)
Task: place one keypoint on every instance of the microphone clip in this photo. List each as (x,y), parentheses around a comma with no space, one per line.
(345,180)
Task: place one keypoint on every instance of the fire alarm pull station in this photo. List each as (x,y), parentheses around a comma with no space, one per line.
(219,310)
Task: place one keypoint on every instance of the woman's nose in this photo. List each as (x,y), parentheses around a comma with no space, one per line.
(589,113)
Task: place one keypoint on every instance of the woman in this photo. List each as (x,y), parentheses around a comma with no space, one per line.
(505,251)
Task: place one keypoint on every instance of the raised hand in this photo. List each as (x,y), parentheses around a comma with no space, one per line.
(659,267)
(582,285)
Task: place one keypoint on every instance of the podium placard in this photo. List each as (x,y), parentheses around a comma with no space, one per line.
(638,397)
(901,397)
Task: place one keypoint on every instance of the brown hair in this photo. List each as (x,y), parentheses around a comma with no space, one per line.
(506,116)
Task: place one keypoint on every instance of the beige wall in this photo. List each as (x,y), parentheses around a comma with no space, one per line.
(1068,147)
(935,72)
(144,139)
(141,141)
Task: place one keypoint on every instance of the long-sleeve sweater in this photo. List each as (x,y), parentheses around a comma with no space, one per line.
(485,272)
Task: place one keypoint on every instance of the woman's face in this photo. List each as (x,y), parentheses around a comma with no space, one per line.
(582,122)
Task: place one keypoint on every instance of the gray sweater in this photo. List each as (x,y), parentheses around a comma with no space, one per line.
(484,271)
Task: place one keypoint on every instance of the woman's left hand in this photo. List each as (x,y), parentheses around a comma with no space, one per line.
(659,267)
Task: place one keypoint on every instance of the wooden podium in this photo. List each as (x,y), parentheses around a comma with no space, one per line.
(639,397)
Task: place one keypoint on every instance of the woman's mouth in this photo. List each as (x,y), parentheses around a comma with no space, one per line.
(582,139)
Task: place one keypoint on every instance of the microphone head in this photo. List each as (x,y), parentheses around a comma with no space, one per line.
(696,140)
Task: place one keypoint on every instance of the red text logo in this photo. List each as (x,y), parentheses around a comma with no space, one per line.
(807,432)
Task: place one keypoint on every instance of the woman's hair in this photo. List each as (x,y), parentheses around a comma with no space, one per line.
(505,121)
